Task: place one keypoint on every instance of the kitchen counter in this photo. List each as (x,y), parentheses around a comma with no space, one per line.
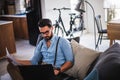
(4,22)
(17,15)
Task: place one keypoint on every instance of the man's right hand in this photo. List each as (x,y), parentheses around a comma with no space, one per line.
(56,72)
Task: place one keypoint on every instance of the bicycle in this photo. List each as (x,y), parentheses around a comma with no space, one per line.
(59,25)
(76,21)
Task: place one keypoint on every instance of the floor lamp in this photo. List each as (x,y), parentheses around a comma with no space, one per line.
(81,8)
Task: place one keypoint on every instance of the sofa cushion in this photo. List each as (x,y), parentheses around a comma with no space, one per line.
(83,59)
(108,64)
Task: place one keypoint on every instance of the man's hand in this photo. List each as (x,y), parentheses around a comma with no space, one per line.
(56,71)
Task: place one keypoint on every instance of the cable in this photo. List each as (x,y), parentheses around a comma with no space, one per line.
(94,22)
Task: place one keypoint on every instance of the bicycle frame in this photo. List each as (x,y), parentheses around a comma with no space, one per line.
(59,22)
(57,26)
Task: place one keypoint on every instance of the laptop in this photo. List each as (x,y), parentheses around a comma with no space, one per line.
(37,72)
(34,72)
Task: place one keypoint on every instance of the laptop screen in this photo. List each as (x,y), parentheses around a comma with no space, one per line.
(37,72)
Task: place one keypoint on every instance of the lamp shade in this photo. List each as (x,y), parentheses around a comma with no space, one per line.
(80,6)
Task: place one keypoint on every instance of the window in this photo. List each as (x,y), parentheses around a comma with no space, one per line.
(112,9)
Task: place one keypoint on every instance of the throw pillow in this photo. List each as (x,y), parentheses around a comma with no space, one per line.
(83,59)
(108,64)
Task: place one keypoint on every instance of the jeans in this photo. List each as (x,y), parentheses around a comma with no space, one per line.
(14,72)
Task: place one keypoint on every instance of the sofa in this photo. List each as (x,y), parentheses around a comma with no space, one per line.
(94,65)
(91,64)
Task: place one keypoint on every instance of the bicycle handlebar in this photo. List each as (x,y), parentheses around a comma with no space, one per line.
(64,8)
(61,8)
(72,14)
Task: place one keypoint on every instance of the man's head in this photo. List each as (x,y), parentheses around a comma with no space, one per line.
(46,28)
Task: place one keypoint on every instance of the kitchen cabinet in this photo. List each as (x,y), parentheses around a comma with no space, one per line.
(19,25)
(7,39)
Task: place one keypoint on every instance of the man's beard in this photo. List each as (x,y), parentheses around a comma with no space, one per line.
(47,38)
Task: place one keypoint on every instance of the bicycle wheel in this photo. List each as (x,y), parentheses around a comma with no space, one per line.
(77,24)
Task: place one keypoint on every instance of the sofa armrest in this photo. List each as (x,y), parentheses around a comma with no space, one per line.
(108,64)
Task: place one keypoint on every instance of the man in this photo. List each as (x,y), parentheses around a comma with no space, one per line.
(45,50)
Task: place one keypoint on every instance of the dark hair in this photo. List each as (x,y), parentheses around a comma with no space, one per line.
(45,22)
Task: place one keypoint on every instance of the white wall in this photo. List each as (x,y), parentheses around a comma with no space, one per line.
(98,8)
(53,14)
(48,12)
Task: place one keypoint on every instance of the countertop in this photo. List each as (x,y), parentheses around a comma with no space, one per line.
(4,22)
(20,16)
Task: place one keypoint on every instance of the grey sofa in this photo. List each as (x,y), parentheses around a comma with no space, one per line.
(92,65)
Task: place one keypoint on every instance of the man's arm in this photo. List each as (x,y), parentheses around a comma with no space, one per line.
(67,65)
(24,62)
(20,62)
(68,54)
